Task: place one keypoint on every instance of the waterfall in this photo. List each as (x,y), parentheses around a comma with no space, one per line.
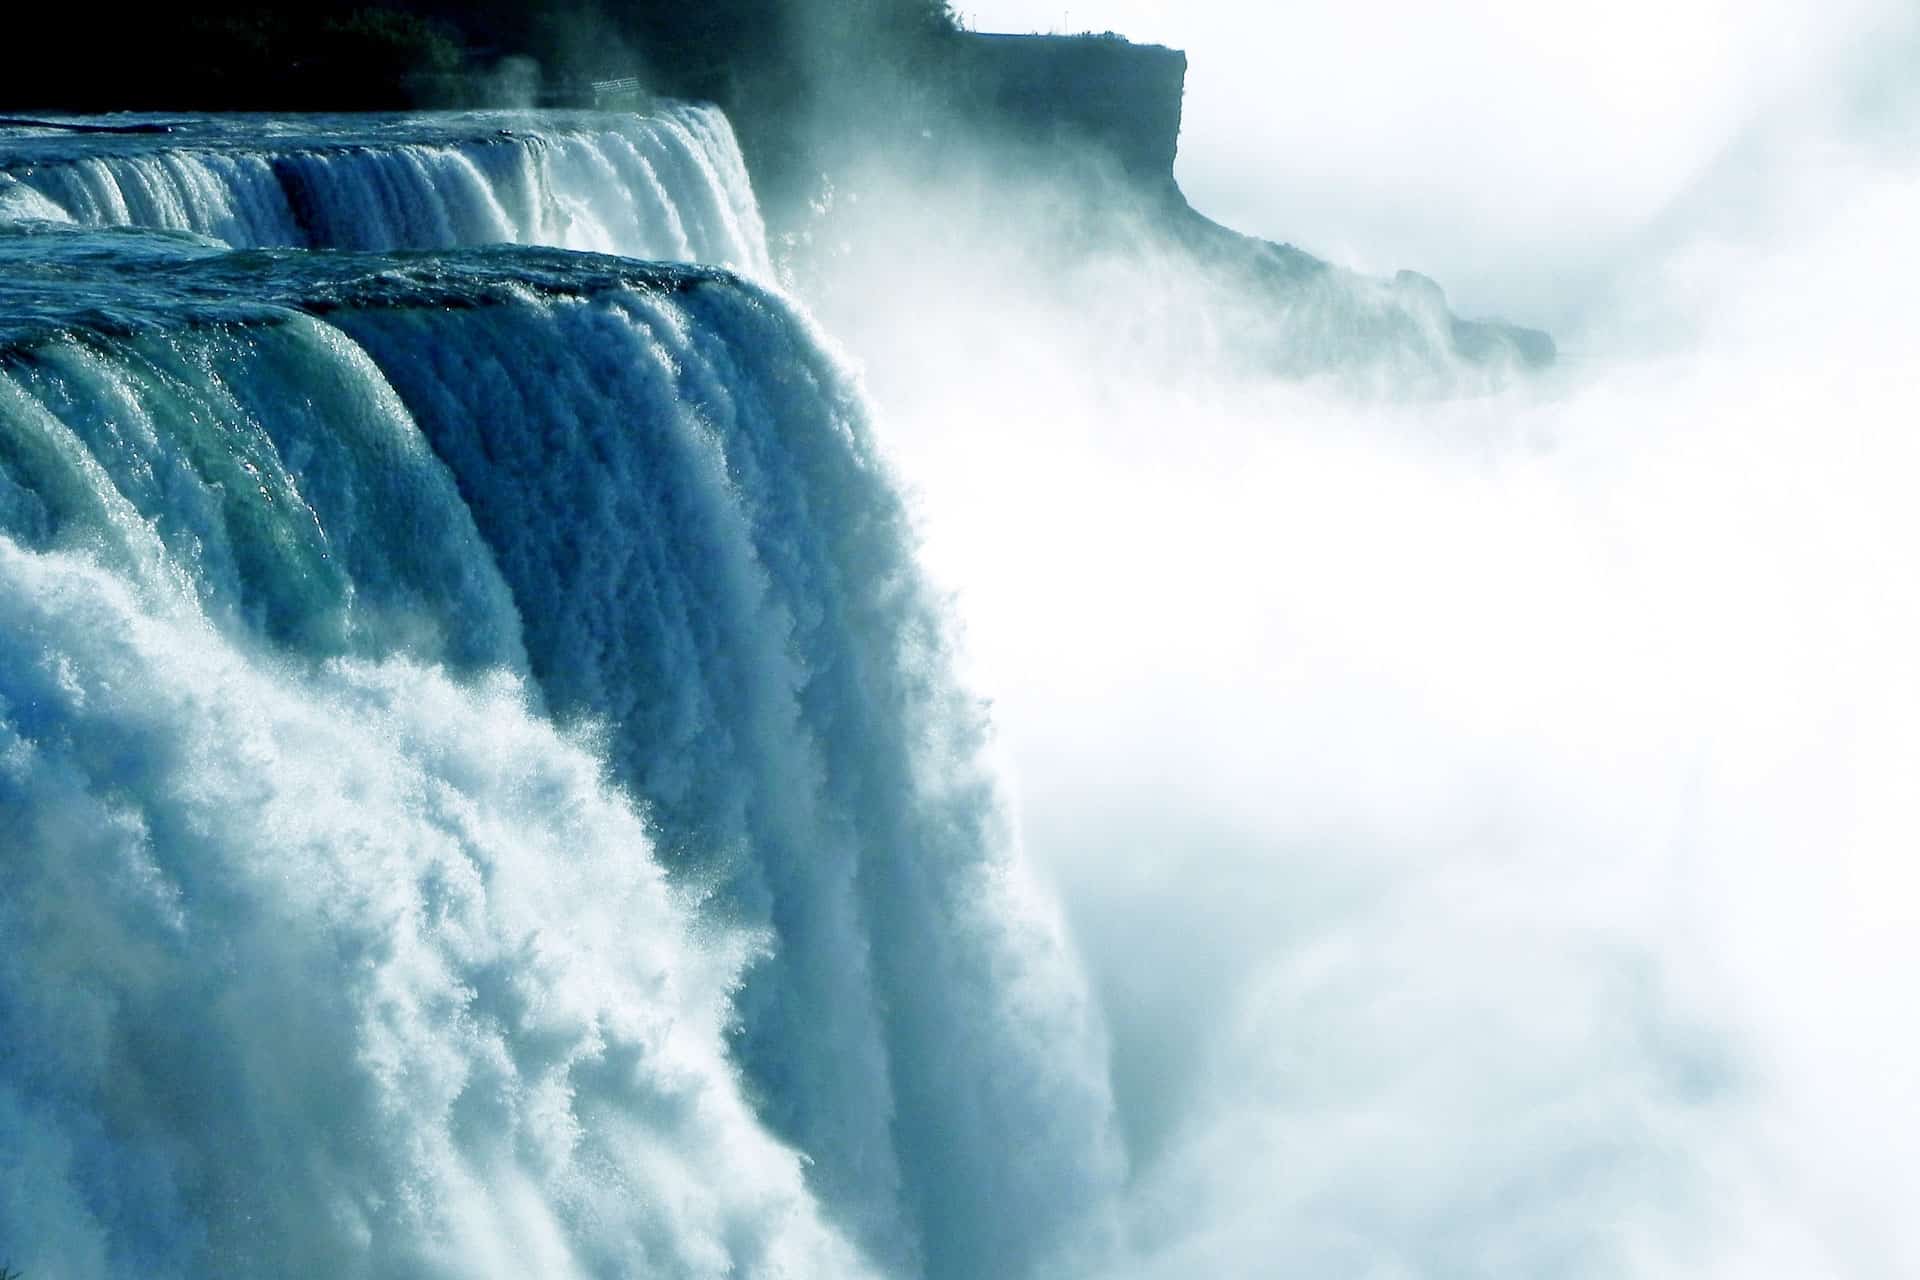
(668,185)
(485,785)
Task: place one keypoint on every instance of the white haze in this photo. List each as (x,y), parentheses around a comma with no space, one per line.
(1513,150)
(1488,824)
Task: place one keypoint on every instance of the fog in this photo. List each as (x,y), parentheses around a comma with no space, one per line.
(1486,818)
(1516,152)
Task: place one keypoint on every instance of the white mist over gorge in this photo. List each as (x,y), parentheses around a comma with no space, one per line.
(558,719)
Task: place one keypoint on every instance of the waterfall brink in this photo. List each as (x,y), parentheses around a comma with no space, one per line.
(669,185)
(488,794)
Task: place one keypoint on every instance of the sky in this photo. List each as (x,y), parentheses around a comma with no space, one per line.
(1523,154)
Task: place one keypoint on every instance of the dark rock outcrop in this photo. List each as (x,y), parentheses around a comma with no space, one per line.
(1093,90)
(1104,115)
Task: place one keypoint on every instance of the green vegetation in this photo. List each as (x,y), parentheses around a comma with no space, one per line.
(778,67)
(803,81)
(230,56)
(339,54)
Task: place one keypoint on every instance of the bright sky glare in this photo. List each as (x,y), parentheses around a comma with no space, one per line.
(1519,152)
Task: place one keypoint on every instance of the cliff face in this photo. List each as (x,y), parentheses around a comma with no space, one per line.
(1093,90)
(1075,95)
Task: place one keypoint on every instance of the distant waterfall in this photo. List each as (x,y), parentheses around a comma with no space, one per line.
(669,185)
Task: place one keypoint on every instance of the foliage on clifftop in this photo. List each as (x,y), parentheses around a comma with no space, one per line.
(229,57)
(777,67)
(351,54)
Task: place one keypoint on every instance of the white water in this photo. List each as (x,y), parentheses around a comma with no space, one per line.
(346,970)
(667,185)
(331,954)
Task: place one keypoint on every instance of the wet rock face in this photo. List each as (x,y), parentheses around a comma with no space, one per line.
(1122,97)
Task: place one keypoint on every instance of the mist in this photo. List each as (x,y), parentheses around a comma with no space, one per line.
(1520,154)
(1303,783)
(1484,815)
